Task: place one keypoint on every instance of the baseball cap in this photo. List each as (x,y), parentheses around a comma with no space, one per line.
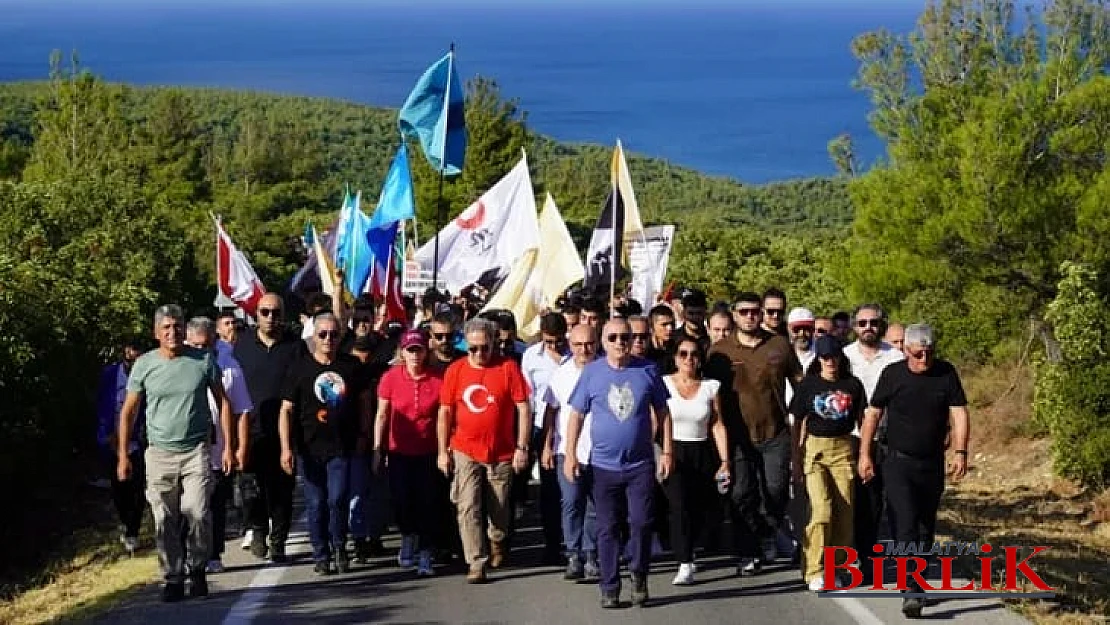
(800,316)
(413,337)
(827,345)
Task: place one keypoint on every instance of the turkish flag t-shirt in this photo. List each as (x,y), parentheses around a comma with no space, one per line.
(484,400)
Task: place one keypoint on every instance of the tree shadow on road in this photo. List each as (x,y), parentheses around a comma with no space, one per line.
(734,592)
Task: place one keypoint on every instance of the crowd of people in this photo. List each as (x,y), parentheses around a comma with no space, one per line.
(647,429)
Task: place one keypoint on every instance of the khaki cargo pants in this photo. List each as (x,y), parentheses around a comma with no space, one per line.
(479,491)
(178,486)
(828,466)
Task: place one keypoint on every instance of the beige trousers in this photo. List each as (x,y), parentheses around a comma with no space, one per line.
(479,491)
(178,485)
(827,464)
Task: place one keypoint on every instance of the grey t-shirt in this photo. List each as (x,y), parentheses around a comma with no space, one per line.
(176,391)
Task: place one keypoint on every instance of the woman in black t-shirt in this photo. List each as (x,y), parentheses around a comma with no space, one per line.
(827,406)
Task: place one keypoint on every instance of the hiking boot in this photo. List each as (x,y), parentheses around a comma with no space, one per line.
(173,592)
(362,550)
(342,562)
(476,574)
(575,571)
(198,585)
(408,550)
(322,567)
(277,553)
(639,589)
(610,600)
(497,554)
(258,546)
(911,607)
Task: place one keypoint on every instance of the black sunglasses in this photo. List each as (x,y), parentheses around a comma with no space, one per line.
(683,353)
(441,336)
(622,337)
(640,336)
(327,334)
(773,312)
(874,323)
(474,349)
(266,312)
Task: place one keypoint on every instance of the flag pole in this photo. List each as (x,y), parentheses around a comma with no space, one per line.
(613,256)
(439,193)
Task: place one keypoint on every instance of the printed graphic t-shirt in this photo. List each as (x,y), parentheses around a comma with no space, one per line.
(484,400)
(829,408)
(619,402)
(326,405)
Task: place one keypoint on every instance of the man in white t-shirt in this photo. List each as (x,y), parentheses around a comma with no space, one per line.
(869,355)
(578,516)
(800,326)
(201,333)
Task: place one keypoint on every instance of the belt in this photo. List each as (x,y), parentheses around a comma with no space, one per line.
(895,453)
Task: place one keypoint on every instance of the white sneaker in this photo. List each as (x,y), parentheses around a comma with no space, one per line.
(408,549)
(424,568)
(685,575)
(215,566)
(130,543)
(817,584)
(248,538)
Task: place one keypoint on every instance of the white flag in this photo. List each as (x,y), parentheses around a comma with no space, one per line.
(649,254)
(235,277)
(489,236)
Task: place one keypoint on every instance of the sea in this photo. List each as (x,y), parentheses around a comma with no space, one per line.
(749,89)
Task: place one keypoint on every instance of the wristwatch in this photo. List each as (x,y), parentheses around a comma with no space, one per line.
(523,448)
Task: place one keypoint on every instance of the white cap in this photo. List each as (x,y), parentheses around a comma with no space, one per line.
(800,315)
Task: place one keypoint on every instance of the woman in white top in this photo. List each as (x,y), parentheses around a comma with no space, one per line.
(698,462)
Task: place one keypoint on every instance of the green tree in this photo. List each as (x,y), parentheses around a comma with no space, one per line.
(996,143)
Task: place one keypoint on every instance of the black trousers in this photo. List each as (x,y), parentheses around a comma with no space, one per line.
(217,507)
(760,491)
(913,490)
(271,511)
(870,500)
(416,493)
(129,497)
(550,499)
(691,493)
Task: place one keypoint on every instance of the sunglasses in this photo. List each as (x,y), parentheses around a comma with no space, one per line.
(921,355)
(748,312)
(622,337)
(266,312)
(327,334)
(822,331)
(640,336)
(773,312)
(441,336)
(552,342)
(478,349)
(864,323)
(684,354)
(585,345)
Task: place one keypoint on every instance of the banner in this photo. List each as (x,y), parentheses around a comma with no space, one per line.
(648,256)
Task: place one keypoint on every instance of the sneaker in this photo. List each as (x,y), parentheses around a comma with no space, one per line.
(342,562)
(322,567)
(610,600)
(130,544)
(277,553)
(408,549)
(591,570)
(476,574)
(817,584)
(248,538)
(215,566)
(173,592)
(749,567)
(770,550)
(198,585)
(575,570)
(685,575)
(639,589)
(258,546)
(424,567)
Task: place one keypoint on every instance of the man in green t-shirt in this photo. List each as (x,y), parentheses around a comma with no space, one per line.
(175,380)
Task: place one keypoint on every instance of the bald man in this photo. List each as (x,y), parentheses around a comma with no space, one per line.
(895,335)
(624,397)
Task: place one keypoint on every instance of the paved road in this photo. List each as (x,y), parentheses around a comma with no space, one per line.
(254,592)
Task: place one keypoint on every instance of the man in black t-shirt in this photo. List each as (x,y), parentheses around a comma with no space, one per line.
(325,412)
(923,398)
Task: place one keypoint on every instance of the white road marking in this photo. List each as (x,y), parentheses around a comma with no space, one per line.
(858,611)
(247,607)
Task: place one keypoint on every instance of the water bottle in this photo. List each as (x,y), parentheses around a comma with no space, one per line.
(722,482)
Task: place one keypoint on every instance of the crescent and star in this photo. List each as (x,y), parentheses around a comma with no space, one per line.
(468,398)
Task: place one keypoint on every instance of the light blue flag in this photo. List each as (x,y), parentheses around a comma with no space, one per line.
(434,113)
(395,205)
(352,248)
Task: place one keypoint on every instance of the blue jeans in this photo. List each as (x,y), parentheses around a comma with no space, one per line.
(578,513)
(369,495)
(620,496)
(326,499)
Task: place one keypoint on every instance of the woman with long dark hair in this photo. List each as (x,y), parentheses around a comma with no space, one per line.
(827,405)
(700,451)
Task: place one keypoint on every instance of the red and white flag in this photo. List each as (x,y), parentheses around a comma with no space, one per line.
(235,277)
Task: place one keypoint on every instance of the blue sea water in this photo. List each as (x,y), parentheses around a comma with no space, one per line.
(751,90)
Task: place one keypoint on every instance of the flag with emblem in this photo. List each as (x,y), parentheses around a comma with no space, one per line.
(482,244)
(619,221)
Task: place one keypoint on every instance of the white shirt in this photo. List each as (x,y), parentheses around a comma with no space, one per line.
(868,371)
(690,417)
(235,385)
(559,388)
(805,358)
(537,366)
